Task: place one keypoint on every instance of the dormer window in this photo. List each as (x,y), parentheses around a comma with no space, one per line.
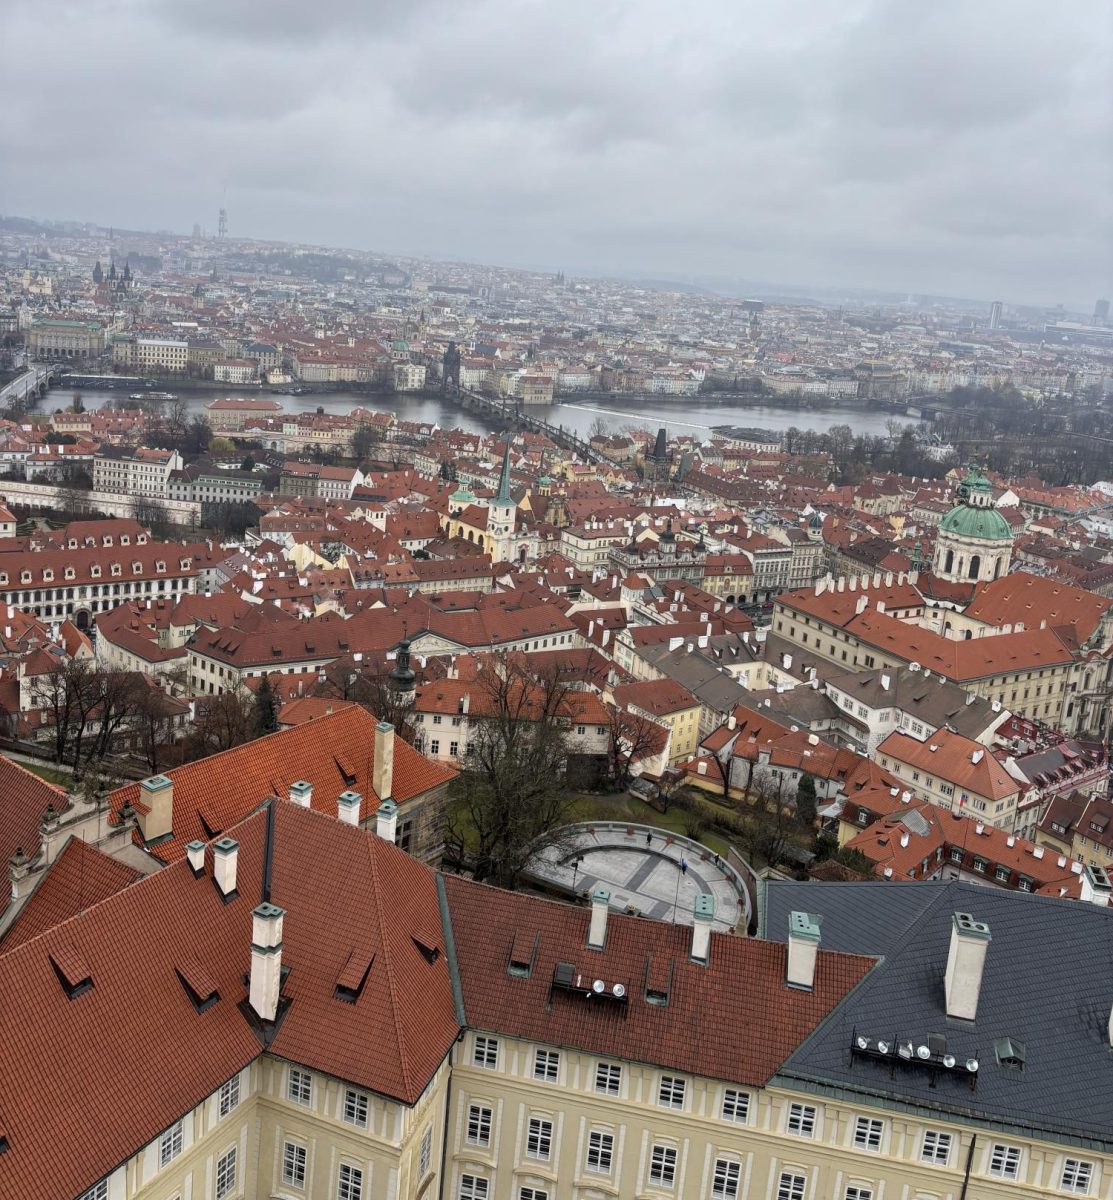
(69,573)
(3,577)
(48,577)
(160,565)
(125,539)
(116,569)
(137,568)
(108,539)
(25,577)
(94,571)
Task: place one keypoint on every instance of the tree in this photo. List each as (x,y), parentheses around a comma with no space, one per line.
(374,691)
(223,722)
(221,445)
(248,463)
(266,708)
(631,737)
(806,801)
(152,515)
(510,801)
(599,428)
(365,438)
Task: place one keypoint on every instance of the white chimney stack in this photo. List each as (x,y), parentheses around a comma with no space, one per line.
(803,950)
(386,821)
(597,930)
(226,852)
(195,852)
(965,964)
(382,776)
(157,796)
(347,807)
(702,916)
(266,960)
(301,793)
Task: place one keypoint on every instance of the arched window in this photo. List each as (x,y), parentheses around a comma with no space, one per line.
(997,567)
(975,566)
(950,563)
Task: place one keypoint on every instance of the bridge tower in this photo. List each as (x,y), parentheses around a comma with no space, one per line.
(450,369)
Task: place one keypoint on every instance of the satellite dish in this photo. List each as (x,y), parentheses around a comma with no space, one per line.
(972,1065)
(914,666)
(923,1052)
(948,1060)
(598,986)
(618,991)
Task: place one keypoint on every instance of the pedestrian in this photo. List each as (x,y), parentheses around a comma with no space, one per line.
(649,839)
(683,866)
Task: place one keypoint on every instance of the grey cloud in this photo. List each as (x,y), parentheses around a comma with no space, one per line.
(954,146)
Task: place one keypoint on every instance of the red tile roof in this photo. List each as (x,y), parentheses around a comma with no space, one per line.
(334,753)
(24,798)
(733,1019)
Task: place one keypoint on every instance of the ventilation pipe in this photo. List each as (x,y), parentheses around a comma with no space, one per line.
(386,821)
(301,793)
(702,916)
(347,807)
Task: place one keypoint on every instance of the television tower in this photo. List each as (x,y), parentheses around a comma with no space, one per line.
(222,224)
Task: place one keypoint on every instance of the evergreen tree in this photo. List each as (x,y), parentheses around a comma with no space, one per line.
(805,800)
(266,709)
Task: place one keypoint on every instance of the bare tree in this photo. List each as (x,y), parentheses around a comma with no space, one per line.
(631,737)
(510,801)
(64,694)
(224,721)
(373,690)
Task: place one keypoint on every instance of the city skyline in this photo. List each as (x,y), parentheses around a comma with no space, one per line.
(871,148)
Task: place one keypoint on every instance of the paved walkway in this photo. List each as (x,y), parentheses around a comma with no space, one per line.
(646,871)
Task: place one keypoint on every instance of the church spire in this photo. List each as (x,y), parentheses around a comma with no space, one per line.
(503,496)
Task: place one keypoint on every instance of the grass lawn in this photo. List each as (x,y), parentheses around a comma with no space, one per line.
(623,807)
(62,778)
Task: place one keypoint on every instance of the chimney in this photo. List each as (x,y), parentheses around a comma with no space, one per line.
(803,950)
(225,854)
(386,821)
(702,916)
(347,807)
(861,604)
(195,852)
(157,795)
(301,793)
(382,779)
(904,841)
(597,930)
(885,681)
(965,964)
(266,960)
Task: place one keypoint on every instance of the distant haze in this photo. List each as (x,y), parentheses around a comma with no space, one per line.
(957,147)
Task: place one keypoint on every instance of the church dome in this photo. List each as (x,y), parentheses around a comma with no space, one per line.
(985,523)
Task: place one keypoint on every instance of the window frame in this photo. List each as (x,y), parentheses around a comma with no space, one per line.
(227,1173)
(228,1097)
(672,1091)
(485,1052)
(613,1073)
(359,1096)
(662,1160)
(940,1139)
(805,1118)
(297,1083)
(294,1164)
(349,1186)
(596,1147)
(171,1143)
(795,1188)
(483,1119)
(1004,1154)
(546,1065)
(726,1179)
(1082,1170)
(731,1098)
(539,1138)
(869,1133)
(473,1187)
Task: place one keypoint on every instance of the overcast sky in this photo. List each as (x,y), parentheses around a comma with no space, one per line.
(950,146)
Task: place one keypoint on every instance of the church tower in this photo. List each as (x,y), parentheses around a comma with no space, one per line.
(975,543)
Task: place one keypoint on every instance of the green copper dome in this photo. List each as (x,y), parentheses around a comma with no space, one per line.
(985,523)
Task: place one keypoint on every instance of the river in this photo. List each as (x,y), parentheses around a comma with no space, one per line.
(692,415)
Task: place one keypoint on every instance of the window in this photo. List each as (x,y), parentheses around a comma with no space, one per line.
(936,1148)
(956,854)
(857,1191)
(293,1164)
(170,1144)
(546,1063)
(801,1119)
(532,1193)
(349,1184)
(539,1138)
(867,1133)
(435,746)
(479,1125)
(486,1052)
(425,1155)
(736,1105)
(299,1087)
(226,1174)
(791,1186)
(1077,1174)
(229,1095)
(662,1166)
(436,718)
(608,1078)
(1004,1161)
(99,1191)
(600,1151)
(473,1187)
(355,1108)
(724,1183)
(670,1093)
(1001,874)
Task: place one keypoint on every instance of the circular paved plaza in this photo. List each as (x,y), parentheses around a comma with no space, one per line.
(647,871)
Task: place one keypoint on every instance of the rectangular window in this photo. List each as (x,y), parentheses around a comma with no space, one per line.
(425,1157)
(936,1148)
(99,1191)
(736,1106)
(474,1187)
(299,1086)
(435,746)
(857,1192)
(486,1052)
(479,1125)
(532,1193)
(349,1183)
(539,1138)
(724,1183)
(801,1119)
(670,1093)
(1004,1161)
(293,1164)
(867,1133)
(600,1151)
(608,1078)
(226,1174)
(546,1064)
(662,1166)
(170,1144)
(355,1108)
(229,1095)
(1076,1177)
(791,1186)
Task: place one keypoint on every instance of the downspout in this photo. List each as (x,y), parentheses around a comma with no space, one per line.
(969,1163)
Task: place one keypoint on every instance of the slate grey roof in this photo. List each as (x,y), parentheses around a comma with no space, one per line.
(924,695)
(700,670)
(1048,983)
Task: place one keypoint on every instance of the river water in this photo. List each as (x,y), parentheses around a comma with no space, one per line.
(689,415)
